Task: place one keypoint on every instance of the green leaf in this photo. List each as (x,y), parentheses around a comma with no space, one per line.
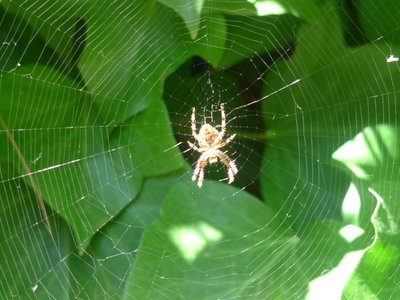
(377,274)
(378,155)
(24,87)
(379,19)
(372,153)
(71,181)
(17,39)
(33,265)
(149,142)
(309,10)
(101,272)
(248,36)
(112,49)
(39,125)
(125,62)
(137,55)
(91,191)
(133,65)
(372,156)
(189,12)
(33,47)
(321,88)
(203,231)
(231,7)
(211,39)
(199,231)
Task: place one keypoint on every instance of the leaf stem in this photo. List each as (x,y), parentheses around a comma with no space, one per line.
(27,170)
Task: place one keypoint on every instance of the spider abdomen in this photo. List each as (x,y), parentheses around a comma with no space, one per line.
(208,135)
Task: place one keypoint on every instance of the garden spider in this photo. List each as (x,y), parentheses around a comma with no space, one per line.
(210,140)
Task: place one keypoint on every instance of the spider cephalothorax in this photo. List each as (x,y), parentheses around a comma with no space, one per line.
(210,140)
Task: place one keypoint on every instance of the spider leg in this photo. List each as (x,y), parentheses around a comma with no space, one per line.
(230,165)
(233,167)
(193,146)
(228,140)
(199,170)
(223,121)
(196,171)
(231,176)
(201,178)
(232,170)
(193,119)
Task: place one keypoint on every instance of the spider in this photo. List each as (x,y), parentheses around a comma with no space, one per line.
(210,141)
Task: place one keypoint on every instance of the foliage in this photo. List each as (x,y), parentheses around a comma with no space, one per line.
(100,129)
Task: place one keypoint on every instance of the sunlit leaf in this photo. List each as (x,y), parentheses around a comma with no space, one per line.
(190,250)
(378,164)
(322,87)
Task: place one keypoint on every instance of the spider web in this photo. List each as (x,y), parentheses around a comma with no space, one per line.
(96,195)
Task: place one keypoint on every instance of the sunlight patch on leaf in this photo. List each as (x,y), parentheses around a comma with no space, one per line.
(199,233)
(268,7)
(392,58)
(330,285)
(369,149)
(377,274)
(351,205)
(351,232)
(192,239)
(375,151)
